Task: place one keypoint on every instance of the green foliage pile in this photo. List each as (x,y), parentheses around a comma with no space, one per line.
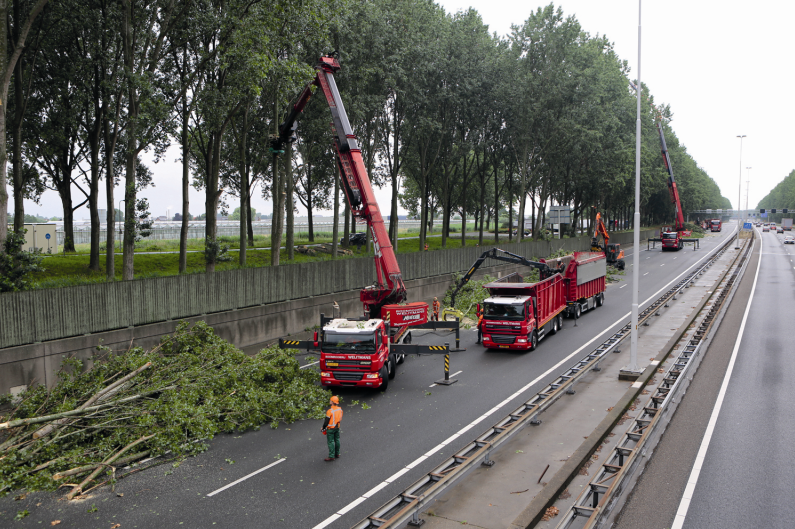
(17,265)
(196,386)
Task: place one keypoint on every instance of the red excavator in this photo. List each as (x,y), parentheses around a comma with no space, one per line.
(612,251)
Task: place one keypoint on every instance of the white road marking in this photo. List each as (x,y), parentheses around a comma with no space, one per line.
(674,257)
(646,274)
(451,376)
(493,410)
(622,286)
(244,478)
(307,365)
(662,264)
(687,496)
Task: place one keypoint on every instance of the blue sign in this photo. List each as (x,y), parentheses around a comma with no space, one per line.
(47,236)
(747,226)
(764,215)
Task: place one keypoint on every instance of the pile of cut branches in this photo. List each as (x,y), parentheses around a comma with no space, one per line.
(174,397)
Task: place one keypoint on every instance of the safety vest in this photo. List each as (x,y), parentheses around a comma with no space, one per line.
(436,306)
(335,416)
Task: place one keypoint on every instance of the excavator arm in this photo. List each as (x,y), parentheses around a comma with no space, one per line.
(389,287)
(500,255)
(601,229)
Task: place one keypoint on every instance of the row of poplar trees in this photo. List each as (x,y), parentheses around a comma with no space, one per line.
(454,120)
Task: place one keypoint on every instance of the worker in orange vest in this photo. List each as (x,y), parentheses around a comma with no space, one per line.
(426,246)
(436,307)
(331,429)
(479,313)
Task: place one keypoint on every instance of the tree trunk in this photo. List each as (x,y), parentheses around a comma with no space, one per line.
(93,199)
(336,224)
(249,221)
(245,211)
(131,154)
(183,230)
(68,220)
(110,183)
(212,194)
(346,231)
(290,198)
(463,228)
(310,220)
(275,236)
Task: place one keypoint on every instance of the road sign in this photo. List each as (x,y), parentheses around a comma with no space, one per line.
(559,215)
(47,236)
(747,226)
(764,215)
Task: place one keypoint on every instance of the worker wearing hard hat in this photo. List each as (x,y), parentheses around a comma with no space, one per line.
(331,429)
(436,307)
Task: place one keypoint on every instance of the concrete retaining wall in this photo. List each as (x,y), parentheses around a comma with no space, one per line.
(246,307)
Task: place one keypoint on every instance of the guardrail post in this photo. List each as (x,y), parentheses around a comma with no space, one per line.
(416,521)
(446,380)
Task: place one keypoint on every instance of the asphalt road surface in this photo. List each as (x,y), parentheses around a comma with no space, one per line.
(747,478)
(405,433)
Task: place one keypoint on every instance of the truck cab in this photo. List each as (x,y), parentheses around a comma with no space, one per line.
(518,315)
(670,240)
(356,353)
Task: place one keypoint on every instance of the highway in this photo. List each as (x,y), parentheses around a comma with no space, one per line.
(725,458)
(278,477)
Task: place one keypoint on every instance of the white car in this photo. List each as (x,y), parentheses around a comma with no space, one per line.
(789,239)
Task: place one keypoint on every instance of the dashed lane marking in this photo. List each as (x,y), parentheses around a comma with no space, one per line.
(244,478)
(451,376)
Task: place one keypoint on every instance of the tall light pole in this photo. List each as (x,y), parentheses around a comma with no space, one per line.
(747,188)
(632,370)
(739,191)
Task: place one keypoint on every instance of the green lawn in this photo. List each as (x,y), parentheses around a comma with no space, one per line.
(70,270)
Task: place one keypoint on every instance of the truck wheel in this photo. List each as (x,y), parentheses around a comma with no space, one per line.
(555,325)
(577,311)
(600,299)
(620,264)
(392,367)
(384,379)
(534,340)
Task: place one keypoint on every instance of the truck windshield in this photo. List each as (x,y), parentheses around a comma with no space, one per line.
(669,235)
(498,311)
(715,222)
(349,342)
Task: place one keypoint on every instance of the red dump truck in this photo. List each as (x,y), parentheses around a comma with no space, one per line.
(715,225)
(585,275)
(517,315)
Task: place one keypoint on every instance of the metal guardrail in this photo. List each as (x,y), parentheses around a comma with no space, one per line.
(406,506)
(594,501)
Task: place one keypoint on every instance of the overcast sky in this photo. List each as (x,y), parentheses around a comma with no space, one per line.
(725,68)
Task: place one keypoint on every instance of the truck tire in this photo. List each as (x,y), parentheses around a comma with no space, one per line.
(620,264)
(600,299)
(407,340)
(392,367)
(577,311)
(384,379)
(533,340)
(555,325)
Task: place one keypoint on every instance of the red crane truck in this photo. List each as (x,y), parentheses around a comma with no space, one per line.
(673,238)
(361,351)
(517,315)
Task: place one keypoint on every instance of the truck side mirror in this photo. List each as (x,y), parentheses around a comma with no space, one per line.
(315,339)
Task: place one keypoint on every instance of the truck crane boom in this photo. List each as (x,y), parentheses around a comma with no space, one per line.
(680,220)
(389,287)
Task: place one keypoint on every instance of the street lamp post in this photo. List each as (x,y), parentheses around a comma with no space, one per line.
(632,371)
(739,191)
(747,190)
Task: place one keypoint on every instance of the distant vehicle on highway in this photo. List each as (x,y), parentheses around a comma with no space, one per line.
(779,230)
(789,239)
(765,228)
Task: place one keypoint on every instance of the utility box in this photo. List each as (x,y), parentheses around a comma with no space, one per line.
(40,237)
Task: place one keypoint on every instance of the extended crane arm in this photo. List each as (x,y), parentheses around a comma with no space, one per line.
(544,269)
(389,287)
(680,219)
